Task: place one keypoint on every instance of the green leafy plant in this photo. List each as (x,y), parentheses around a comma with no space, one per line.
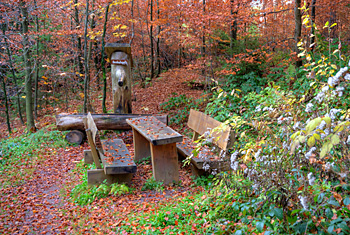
(84,194)
(152,184)
(179,107)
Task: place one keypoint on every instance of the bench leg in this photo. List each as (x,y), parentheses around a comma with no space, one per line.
(88,157)
(164,163)
(198,172)
(141,146)
(98,176)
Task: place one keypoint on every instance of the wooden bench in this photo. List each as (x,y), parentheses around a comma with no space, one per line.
(154,138)
(112,159)
(201,123)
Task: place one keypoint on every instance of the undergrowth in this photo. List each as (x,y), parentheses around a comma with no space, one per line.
(19,155)
(179,108)
(84,194)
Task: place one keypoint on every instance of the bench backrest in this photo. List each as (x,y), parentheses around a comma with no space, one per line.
(91,132)
(200,123)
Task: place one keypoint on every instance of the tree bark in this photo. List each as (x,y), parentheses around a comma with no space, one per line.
(151,38)
(203,41)
(6,102)
(313,19)
(158,42)
(297,32)
(37,67)
(28,68)
(77,22)
(66,122)
(86,61)
(233,27)
(104,109)
(9,54)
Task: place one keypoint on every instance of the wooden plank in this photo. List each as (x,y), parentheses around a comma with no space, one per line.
(94,151)
(98,176)
(185,149)
(200,123)
(154,131)
(141,146)
(105,121)
(164,163)
(92,126)
(88,157)
(116,158)
(110,48)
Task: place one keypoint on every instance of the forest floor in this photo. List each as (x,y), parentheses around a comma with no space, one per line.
(41,203)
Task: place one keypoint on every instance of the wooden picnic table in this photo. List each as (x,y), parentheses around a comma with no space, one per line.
(154,138)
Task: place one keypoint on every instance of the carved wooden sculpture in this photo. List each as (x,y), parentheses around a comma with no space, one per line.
(121,63)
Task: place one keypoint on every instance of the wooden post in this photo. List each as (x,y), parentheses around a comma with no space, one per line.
(141,146)
(164,163)
(121,63)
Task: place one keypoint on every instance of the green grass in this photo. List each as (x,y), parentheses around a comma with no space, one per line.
(19,155)
(189,214)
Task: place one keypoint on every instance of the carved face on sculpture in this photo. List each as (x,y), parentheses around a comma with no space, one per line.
(119,61)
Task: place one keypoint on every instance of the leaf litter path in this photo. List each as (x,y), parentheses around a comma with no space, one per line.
(41,204)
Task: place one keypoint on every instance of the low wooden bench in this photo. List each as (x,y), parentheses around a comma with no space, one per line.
(154,138)
(201,123)
(112,159)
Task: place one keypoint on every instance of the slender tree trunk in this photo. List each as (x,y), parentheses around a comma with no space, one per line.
(158,41)
(203,41)
(9,54)
(103,62)
(142,76)
(132,23)
(313,20)
(92,22)
(6,103)
(297,32)
(37,67)
(77,22)
(151,38)
(28,68)
(86,61)
(233,27)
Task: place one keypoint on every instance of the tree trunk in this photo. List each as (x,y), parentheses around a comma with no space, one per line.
(6,103)
(313,20)
(151,38)
(9,54)
(66,122)
(297,32)
(203,41)
(104,109)
(86,61)
(37,67)
(158,42)
(233,27)
(77,22)
(28,68)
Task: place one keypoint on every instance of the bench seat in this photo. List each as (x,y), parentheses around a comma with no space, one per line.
(186,148)
(116,158)
(202,124)
(112,159)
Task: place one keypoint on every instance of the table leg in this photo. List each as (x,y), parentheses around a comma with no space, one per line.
(164,163)
(141,146)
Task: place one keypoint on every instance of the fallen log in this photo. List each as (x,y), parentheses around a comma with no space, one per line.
(66,122)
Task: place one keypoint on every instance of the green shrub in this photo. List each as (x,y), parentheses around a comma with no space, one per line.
(84,194)
(152,184)
(179,108)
